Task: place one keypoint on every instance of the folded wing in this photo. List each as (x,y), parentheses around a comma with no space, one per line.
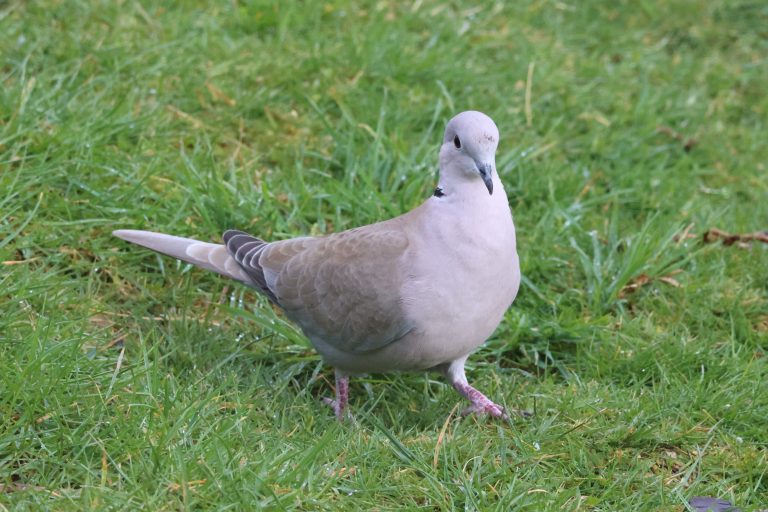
(344,288)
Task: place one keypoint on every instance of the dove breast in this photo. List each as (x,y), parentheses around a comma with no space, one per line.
(451,300)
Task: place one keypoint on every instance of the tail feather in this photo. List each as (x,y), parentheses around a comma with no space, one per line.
(214,257)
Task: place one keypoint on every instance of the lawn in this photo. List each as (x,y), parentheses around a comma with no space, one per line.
(628,130)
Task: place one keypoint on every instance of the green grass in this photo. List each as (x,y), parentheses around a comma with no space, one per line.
(130,381)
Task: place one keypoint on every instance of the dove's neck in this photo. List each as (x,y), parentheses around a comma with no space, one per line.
(466,227)
(469,190)
(464,206)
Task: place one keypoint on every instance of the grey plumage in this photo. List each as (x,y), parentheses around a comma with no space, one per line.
(416,292)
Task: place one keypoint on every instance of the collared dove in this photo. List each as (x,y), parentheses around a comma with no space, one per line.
(417,292)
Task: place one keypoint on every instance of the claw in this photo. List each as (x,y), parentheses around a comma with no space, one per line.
(490,409)
(338,409)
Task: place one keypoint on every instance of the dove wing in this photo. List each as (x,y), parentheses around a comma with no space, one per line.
(344,288)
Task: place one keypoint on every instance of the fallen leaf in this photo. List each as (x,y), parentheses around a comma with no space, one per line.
(635,284)
(670,281)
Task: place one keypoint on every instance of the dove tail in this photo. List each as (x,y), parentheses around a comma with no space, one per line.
(214,257)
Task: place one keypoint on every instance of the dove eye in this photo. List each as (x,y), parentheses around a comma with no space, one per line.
(457,142)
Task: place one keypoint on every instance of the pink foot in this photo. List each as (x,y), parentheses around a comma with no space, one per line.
(481,405)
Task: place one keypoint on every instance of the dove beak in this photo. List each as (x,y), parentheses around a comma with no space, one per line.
(486,172)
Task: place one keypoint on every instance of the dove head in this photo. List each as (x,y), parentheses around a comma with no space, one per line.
(468,153)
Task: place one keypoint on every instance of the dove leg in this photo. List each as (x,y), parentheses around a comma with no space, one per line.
(481,404)
(339,405)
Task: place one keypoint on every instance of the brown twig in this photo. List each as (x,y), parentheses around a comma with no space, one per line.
(714,234)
